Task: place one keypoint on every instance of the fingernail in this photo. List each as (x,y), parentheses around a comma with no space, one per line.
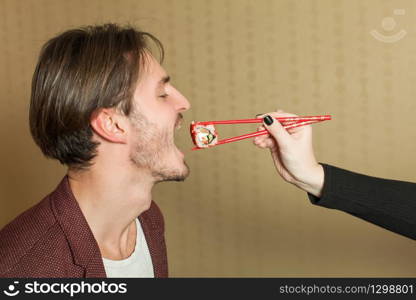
(268,120)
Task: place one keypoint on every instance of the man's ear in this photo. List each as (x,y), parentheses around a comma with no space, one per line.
(109,125)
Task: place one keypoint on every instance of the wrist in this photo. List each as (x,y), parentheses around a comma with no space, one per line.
(313,182)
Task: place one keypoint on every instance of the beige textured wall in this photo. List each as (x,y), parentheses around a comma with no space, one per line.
(234,59)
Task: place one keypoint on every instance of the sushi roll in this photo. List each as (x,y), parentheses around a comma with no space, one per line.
(203,136)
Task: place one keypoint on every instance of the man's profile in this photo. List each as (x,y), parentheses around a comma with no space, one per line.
(103,106)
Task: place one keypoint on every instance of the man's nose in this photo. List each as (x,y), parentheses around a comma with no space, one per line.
(181,103)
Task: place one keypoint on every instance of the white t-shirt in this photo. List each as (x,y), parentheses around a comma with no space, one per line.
(139,264)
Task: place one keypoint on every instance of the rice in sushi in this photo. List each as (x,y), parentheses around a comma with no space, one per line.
(203,136)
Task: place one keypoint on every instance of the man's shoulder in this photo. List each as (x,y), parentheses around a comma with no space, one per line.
(32,236)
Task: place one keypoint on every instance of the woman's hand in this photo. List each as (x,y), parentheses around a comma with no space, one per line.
(292,153)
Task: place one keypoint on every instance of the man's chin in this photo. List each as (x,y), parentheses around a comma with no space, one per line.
(173,175)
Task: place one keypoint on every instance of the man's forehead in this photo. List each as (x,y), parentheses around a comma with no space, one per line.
(152,71)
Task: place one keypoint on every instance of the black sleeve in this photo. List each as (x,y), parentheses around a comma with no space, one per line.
(390,204)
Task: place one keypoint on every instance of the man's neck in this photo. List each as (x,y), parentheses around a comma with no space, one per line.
(110,202)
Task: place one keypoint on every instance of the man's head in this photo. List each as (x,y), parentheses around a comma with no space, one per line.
(97,89)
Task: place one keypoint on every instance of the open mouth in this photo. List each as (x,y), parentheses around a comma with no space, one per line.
(177,126)
(179,121)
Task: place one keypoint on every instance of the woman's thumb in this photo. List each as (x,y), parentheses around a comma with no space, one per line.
(276,130)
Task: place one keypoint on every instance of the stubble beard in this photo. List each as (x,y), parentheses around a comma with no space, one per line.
(151,150)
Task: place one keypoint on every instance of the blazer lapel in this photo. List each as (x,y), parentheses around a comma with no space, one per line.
(84,247)
(154,235)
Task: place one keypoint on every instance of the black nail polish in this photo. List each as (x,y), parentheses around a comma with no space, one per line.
(268,120)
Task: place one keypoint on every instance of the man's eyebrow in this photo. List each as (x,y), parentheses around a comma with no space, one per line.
(164,80)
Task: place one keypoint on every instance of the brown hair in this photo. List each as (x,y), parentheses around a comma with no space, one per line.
(78,72)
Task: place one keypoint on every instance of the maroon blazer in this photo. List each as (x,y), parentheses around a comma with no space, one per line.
(53,239)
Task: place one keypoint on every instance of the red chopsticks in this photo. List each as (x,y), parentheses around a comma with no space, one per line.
(287,122)
(281,120)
